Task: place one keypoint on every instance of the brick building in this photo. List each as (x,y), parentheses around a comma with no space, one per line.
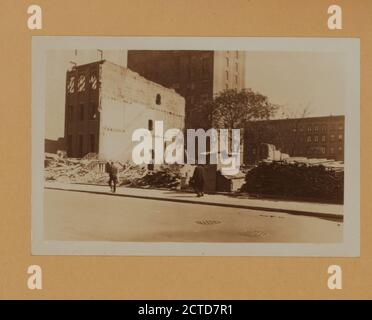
(195,75)
(106,102)
(313,137)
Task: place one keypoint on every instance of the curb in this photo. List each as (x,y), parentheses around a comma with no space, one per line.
(329,216)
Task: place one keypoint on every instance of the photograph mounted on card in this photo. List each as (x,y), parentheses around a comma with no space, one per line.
(195,146)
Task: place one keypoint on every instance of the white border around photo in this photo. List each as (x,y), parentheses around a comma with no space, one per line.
(350,247)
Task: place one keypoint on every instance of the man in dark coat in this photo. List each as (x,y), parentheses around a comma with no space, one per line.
(113,173)
(198,180)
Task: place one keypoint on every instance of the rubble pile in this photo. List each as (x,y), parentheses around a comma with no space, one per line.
(89,170)
(295,180)
(129,174)
(69,170)
(164,177)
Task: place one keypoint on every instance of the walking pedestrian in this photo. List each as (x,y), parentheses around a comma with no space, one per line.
(198,179)
(113,176)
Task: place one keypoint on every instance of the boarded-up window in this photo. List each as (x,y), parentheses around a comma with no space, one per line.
(81,83)
(71,85)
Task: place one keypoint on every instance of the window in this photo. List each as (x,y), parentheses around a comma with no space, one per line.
(316,129)
(323,150)
(227,75)
(69,144)
(158,99)
(308,129)
(308,138)
(81,83)
(92,111)
(71,85)
(205,67)
(236,80)
(227,86)
(70,113)
(227,62)
(93,81)
(150,125)
(332,137)
(236,67)
(92,139)
(340,127)
(339,149)
(331,150)
(81,112)
(324,129)
(316,138)
(340,137)
(81,145)
(323,138)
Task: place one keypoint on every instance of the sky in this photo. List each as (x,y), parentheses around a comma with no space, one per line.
(294,80)
(299,80)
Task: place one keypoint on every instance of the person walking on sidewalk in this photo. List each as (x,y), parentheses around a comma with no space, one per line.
(198,180)
(108,171)
(112,171)
(113,176)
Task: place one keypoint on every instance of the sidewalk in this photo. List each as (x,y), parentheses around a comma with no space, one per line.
(330,211)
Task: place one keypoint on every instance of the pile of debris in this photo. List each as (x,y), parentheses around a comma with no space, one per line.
(91,170)
(167,176)
(296,180)
(69,170)
(327,163)
(130,173)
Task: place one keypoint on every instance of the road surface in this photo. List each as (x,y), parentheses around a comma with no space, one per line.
(78,216)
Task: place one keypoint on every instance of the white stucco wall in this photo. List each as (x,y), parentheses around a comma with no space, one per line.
(127,103)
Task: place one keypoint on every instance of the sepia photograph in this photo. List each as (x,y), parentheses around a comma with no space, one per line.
(195,146)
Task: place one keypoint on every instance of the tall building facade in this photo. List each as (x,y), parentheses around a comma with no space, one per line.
(57,62)
(312,137)
(196,75)
(106,103)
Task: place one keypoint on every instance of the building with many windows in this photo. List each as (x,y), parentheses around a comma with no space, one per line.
(195,75)
(312,137)
(106,102)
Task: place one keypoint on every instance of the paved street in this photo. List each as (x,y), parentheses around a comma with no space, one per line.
(86,216)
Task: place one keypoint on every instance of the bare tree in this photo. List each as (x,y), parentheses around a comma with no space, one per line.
(303,111)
